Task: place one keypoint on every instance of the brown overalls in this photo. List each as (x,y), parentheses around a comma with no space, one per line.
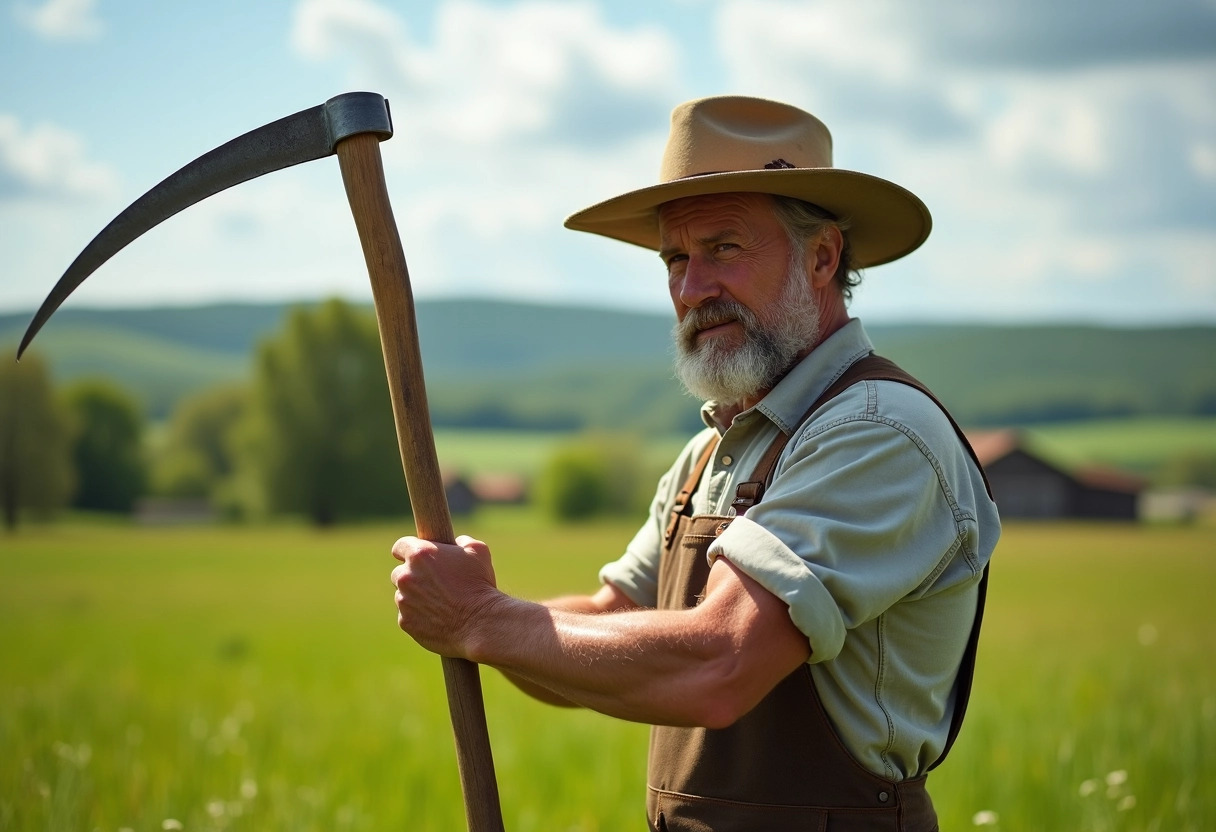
(781,767)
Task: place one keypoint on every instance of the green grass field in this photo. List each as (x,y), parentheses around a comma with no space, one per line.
(254,679)
(1139,445)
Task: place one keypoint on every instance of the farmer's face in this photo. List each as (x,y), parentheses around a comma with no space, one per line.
(745,310)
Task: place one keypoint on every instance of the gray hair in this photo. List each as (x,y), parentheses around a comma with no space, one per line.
(804,221)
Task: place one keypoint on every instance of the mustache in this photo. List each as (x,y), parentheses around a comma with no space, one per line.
(710,314)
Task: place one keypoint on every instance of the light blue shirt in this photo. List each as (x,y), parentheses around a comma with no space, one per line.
(875,531)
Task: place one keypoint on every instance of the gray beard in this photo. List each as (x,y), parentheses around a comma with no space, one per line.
(772,343)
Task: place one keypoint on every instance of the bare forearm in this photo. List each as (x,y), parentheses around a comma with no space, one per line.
(642,665)
(702,666)
(571,603)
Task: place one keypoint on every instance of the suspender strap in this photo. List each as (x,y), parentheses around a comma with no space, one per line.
(966,673)
(876,368)
(683,503)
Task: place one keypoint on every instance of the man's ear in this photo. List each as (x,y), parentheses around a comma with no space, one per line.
(823,256)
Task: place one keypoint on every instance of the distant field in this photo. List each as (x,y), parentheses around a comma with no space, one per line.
(254,679)
(1136,444)
(526,452)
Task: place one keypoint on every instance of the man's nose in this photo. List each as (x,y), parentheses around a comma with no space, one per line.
(698,283)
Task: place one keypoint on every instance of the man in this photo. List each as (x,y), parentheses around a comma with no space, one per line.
(797,618)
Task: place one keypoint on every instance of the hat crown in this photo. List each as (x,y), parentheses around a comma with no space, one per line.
(737,133)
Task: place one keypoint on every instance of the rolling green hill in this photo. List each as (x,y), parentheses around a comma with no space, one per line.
(510,365)
(1030,374)
(157,370)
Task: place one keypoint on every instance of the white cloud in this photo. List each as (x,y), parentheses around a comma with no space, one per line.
(1053,187)
(507,118)
(48,161)
(324,29)
(490,75)
(1203,159)
(62,19)
(1051,126)
(854,37)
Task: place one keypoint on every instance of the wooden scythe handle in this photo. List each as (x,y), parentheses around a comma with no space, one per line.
(363,175)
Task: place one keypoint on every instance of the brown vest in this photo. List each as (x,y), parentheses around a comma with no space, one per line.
(781,767)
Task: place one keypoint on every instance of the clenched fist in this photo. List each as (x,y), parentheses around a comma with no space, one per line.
(443,592)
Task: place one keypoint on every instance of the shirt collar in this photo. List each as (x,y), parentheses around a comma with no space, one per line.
(787,403)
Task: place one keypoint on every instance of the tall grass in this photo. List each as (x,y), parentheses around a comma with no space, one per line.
(254,679)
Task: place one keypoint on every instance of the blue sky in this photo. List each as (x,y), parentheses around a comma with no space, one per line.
(1066,150)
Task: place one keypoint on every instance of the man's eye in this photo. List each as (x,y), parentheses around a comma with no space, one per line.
(675,259)
(724,248)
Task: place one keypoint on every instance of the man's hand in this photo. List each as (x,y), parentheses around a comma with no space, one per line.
(441,590)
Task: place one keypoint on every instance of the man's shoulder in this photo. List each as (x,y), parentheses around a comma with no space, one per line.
(897,404)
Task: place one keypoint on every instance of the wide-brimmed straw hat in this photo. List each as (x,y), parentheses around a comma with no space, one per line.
(731,144)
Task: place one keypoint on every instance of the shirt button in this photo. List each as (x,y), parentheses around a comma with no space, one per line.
(727,459)
(883,797)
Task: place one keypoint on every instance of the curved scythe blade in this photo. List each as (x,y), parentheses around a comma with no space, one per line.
(307,135)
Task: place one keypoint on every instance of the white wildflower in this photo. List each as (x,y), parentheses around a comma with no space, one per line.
(78,756)
(1116,778)
(985,818)
(1147,635)
(249,788)
(169,824)
(1128,802)
(215,808)
(1064,750)
(1088,787)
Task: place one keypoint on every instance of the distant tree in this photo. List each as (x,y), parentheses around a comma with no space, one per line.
(574,484)
(592,475)
(198,454)
(320,433)
(35,456)
(107,448)
(1195,469)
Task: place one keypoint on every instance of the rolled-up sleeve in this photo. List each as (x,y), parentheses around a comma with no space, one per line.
(857,517)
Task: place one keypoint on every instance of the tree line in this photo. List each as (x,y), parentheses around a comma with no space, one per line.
(311,435)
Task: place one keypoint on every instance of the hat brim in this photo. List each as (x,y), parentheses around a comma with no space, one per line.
(885,220)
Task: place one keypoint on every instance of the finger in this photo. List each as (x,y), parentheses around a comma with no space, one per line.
(408,546)
(400,547)
(398,574)
(472,544)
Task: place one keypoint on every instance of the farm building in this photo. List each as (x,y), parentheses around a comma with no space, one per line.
(464,494)
(1025,484)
